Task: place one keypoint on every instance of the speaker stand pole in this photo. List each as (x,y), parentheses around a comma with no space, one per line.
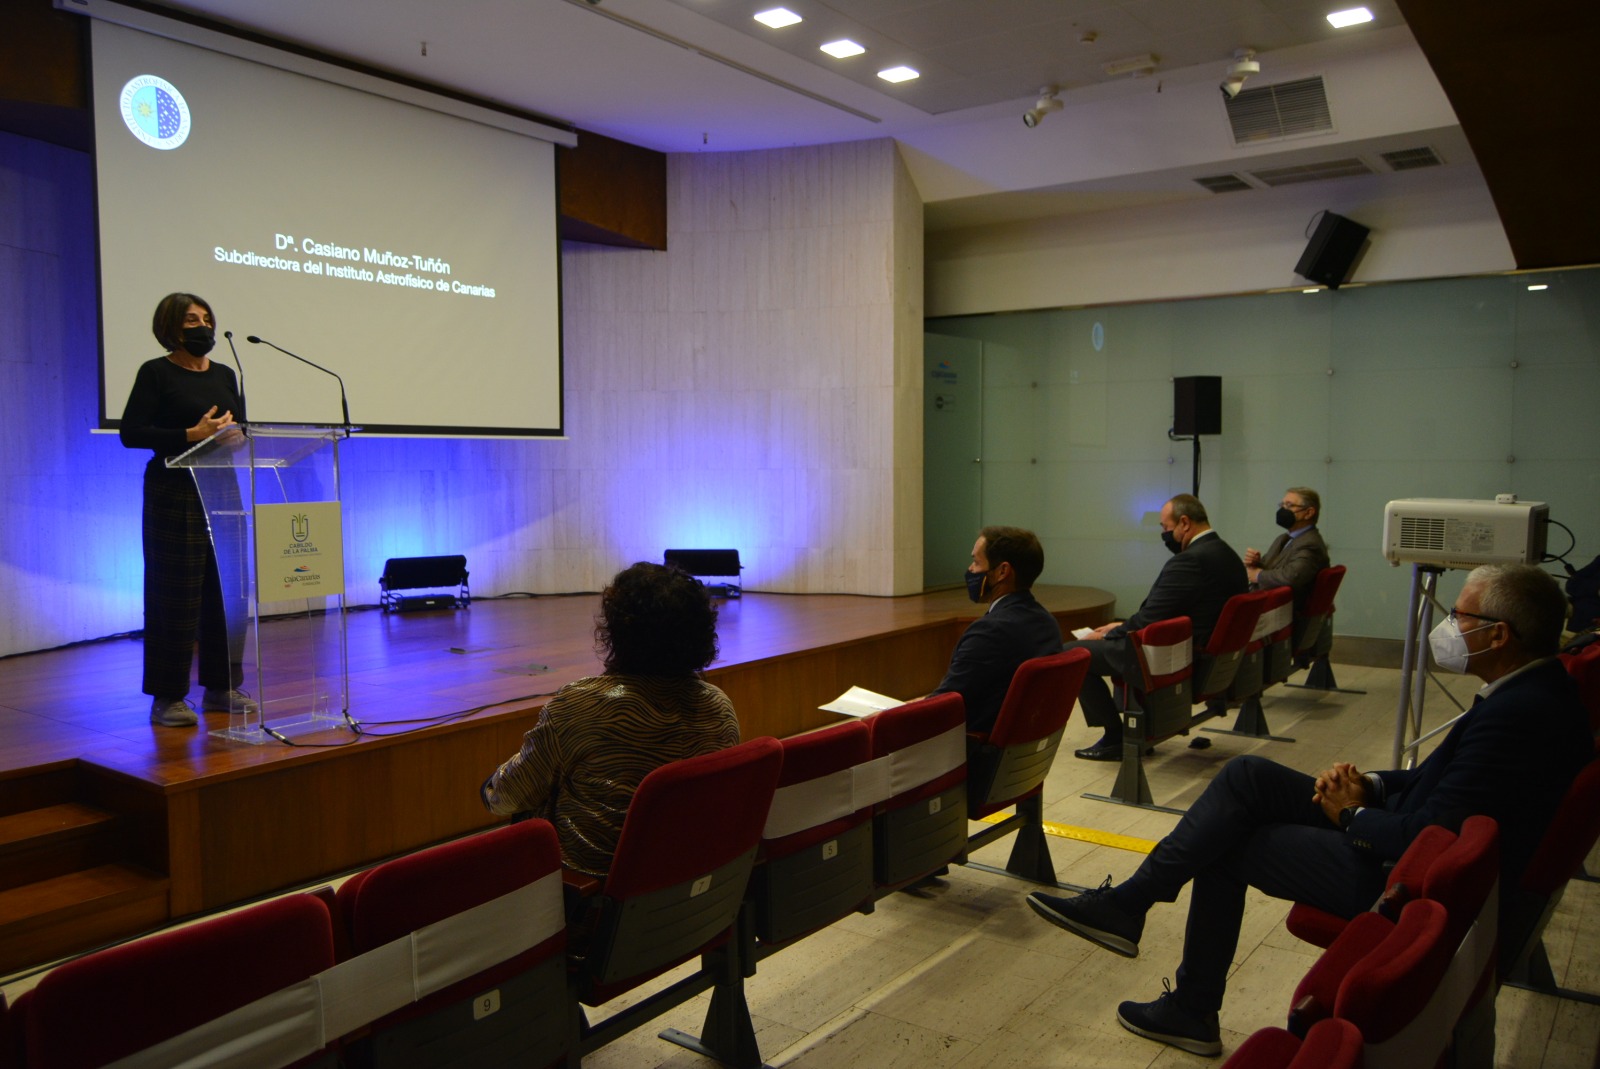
(1195,441)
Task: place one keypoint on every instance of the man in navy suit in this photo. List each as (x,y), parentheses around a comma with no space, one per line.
(1015,627)
(1197,582)
(1325,840)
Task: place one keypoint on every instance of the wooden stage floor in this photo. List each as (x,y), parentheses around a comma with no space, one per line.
(442,697)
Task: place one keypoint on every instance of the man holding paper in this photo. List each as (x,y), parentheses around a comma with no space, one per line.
(1015,627)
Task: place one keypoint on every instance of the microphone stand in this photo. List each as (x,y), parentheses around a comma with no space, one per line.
(237,366)
(344,402)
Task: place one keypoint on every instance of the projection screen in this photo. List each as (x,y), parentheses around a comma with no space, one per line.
(413,251)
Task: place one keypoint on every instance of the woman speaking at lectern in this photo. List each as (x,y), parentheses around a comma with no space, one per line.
(177,400)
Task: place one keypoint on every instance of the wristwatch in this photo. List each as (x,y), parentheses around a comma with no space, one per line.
(1346,815)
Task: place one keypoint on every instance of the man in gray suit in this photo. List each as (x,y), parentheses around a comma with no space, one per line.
(1296,556)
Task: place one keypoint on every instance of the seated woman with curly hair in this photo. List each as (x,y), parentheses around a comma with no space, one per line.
(598,737)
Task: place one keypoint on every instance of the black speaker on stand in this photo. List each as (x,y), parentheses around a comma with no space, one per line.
(1196,410)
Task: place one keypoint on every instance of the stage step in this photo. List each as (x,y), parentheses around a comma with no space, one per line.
(55,840)
(65,914)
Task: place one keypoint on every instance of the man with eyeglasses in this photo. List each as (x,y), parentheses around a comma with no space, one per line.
(1297,555)
(1326,839)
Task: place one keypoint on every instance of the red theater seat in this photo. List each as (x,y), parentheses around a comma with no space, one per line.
(1330,1044)
(816,851)
(1171,681)
(1268,660)
(513,1011)
(921,827)
(673,892)
(1008,765)
(1584,667)
(1570,837)
(166,989)
(1404,883)
(1381,977)
(1313,631)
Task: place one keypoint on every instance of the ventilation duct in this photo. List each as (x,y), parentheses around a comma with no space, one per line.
(1311,172)
(1287,109)
(1409,159)
(1224,183)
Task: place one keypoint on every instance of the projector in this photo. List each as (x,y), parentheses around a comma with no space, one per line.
(1460,533)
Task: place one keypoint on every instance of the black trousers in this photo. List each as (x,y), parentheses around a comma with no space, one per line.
(1107,657)
(183,603)
(1255,825)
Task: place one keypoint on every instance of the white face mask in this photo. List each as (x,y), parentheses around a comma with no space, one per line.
(1449,645)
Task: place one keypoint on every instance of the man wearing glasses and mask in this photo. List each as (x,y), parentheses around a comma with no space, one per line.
(1325,839)
(1297,555)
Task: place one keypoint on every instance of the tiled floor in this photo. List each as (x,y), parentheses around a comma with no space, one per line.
(965,976)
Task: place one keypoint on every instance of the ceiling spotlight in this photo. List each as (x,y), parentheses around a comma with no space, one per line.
(1244,65)
(843,48)
(899,74)
(1046,103)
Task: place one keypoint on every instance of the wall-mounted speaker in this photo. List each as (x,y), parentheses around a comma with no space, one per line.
(1332,250)
(1197,405)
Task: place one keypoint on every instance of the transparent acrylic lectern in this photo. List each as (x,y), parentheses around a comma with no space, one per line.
(271,496)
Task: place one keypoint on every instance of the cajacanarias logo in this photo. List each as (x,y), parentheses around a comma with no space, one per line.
(155,111)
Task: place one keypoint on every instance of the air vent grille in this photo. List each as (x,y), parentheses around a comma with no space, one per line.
(1409,159)
(1282,110)
(1311,172)
(1417,532)
(1224,183)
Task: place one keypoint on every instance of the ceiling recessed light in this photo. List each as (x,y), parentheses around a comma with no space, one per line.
(898,74)
(843,48)
(1536,287)
(1353,17)
(1312,289)
(777,18)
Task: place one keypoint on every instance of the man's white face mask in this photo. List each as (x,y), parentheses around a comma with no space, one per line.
(1449,645)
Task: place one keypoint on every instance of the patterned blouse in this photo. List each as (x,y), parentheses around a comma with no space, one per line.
(595,740)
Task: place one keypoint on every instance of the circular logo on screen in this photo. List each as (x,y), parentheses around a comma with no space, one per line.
(155,111)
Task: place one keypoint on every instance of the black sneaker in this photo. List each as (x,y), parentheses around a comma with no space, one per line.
(1093,916)
(1167,1022)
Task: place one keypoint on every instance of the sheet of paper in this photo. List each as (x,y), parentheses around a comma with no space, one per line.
(1083,632)
(859,701)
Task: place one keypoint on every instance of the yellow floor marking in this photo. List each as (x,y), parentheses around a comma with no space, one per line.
(1088,835)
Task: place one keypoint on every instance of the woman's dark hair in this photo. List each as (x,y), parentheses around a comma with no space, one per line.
(655,621)
(167,323)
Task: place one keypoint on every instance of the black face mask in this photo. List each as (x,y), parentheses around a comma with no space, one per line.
(198,341)
(1170,540)
(975,582)
(1284,518)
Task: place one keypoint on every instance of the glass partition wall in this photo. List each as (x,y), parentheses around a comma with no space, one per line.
(1058,420)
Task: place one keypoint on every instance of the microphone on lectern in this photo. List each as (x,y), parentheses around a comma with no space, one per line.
(344,402)
(237,366)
